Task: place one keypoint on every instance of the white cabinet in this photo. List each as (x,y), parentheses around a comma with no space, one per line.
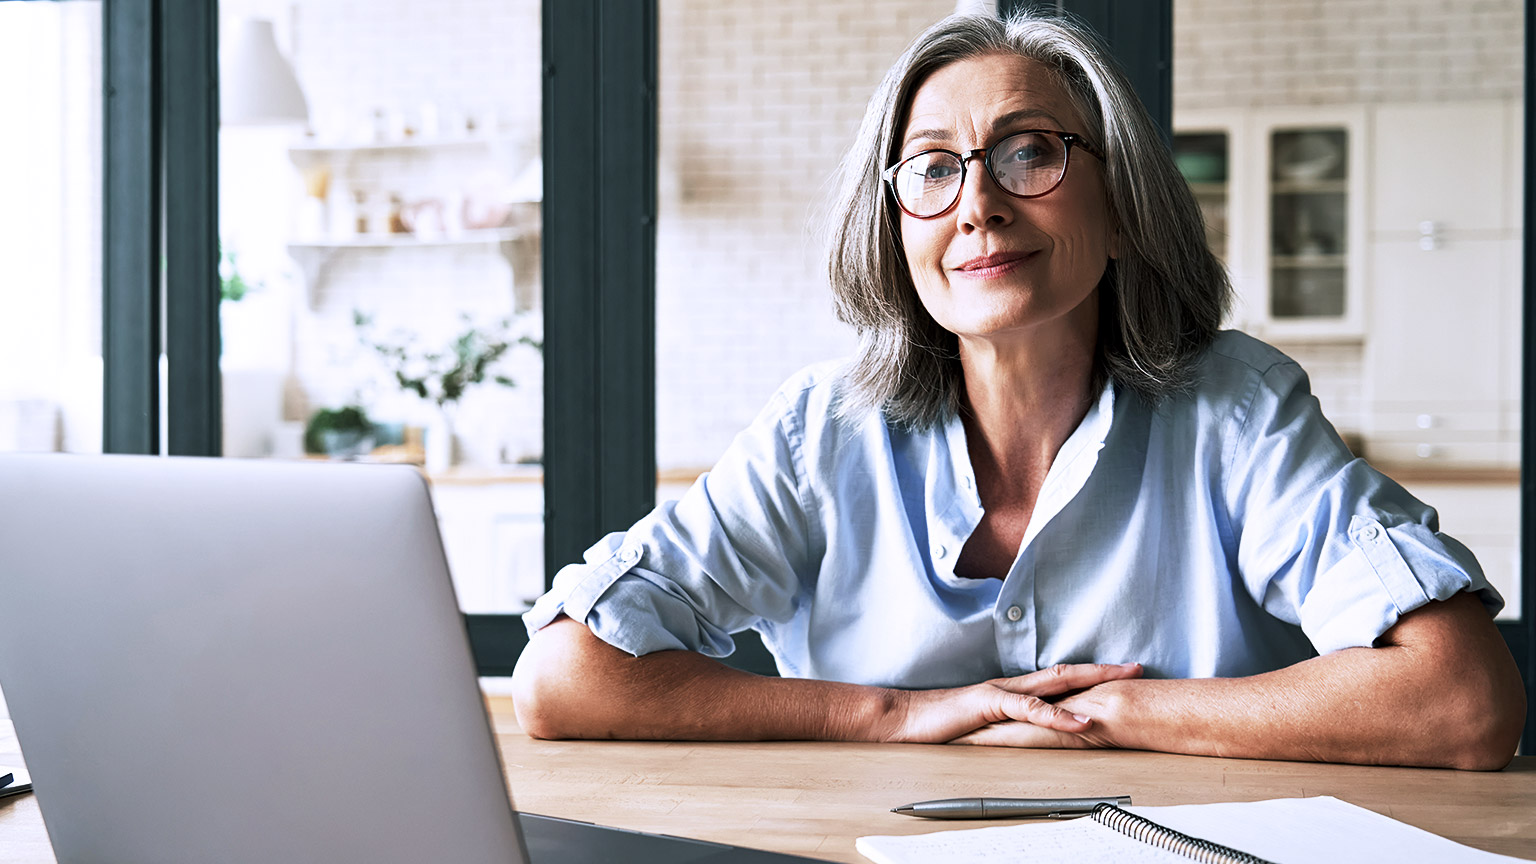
(1442,164)
(493,534)
(1442,356)
(1293,216)
(1390,230)
(1435,325)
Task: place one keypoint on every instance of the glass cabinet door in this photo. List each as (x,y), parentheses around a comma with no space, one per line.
(1309,193)
(1202,157)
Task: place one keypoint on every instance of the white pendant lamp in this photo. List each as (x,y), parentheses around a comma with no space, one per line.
(258,87)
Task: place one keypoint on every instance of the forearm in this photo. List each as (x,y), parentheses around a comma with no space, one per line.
(1439,690)
(1308,712)
(571,684)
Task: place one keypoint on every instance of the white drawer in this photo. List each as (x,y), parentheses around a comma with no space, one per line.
(1387,452)
(1435,419)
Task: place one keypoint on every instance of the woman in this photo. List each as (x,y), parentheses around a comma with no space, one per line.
(1048,504)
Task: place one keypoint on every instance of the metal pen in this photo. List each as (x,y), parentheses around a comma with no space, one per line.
(1007,808)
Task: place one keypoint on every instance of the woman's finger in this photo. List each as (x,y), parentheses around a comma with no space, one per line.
(1011,733)
(1032,709)
(1066,677)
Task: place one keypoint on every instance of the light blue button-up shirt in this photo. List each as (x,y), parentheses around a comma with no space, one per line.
(1225,533)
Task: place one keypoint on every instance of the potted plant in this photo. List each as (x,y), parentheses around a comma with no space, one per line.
(441,376)
(344,432)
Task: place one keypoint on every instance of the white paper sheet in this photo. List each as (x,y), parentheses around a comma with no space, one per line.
(1283,830)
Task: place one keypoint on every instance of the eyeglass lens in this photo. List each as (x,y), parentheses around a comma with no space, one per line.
(1027,164)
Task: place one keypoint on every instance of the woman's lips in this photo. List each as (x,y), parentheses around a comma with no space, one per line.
(996,264)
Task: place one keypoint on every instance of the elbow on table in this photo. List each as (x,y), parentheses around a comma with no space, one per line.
(1490,744)
(1486,719)
(543,691)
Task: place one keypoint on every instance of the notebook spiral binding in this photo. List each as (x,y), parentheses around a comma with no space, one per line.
(1153,834)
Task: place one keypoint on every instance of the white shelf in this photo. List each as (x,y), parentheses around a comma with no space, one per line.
(393,241)
(317,147)
(1310,187)
(1299,262)
(315,256)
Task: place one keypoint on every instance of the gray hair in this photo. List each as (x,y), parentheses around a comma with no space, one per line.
(1161,300)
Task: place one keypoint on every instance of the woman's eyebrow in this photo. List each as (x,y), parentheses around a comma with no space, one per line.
(938,135)
(1001,122)
(1036,114)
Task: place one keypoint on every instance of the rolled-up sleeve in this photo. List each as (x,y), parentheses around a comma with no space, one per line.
(1323,539)
(733,553)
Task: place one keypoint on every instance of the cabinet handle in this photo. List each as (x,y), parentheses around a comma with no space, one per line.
(1429,235)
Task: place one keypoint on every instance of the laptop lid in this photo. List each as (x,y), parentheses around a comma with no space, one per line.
(241,661)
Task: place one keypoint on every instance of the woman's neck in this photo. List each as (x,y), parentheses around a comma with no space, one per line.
(1023,400)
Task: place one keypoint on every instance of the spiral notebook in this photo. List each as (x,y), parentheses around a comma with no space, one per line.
(1279,831)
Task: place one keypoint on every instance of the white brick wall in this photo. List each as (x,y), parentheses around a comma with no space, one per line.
(1246,53)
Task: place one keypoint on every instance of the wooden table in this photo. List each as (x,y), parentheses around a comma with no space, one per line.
(815,798)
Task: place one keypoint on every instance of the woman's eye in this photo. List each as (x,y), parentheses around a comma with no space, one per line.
(1025,153)
(940,171)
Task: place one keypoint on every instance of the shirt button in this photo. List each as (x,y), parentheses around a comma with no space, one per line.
(1015,613)
(629,556)
(939,550)
(1371,532)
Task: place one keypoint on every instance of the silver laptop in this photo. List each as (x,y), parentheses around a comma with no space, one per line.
(241,661)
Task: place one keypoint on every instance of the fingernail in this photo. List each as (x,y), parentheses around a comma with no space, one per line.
(1129,665)
(1082,718)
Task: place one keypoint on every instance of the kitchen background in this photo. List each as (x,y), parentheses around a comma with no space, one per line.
(1359,162)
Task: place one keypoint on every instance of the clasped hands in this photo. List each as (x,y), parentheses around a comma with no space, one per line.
(1055,707)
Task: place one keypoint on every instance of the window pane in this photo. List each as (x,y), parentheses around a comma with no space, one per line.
(756,108)
(380,243)
(1390,268)
(50,227)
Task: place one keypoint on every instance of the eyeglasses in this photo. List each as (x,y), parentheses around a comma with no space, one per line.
(1026,164)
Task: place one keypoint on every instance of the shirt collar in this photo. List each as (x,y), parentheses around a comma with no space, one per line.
(1068,473)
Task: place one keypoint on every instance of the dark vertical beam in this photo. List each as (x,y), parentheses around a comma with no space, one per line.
(626,314)
(131,228)
(189,31)
(1140,36)
(570,247)
(599,270)
(1521,635)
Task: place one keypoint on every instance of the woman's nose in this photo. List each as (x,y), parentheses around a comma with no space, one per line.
(982,203)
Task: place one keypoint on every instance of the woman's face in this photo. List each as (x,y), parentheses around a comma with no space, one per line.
(995,267)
